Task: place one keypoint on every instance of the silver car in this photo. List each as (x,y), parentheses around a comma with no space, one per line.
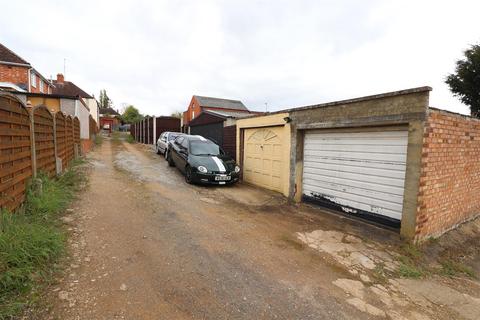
(164,140)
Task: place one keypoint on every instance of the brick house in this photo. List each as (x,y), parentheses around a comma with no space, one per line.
(68,88)
(198,104)
(109,119)
(16,74)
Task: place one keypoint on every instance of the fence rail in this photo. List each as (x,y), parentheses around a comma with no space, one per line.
(32,140)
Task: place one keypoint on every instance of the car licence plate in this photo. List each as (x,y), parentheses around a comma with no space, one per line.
(222,177)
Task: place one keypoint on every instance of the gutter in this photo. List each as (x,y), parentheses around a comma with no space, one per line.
(16,64)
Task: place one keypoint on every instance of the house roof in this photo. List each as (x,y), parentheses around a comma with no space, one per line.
(228,114)
(8,56)
(109,111)
(220,103)
(68,88)
(11,86)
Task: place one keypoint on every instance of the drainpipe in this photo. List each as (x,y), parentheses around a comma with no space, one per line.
(29,79)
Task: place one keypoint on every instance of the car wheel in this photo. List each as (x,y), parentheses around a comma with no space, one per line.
(170,160)
(158,150)
(188,175)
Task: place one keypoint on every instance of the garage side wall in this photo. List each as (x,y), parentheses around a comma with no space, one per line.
(449,191)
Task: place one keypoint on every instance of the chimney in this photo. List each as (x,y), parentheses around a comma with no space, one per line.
(60,78)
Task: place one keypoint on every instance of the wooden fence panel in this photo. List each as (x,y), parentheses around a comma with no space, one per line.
(150,130)
(44,140)
(92,126)
(60,122)
(69,138)
(230,140)
(15,151)
(76,135)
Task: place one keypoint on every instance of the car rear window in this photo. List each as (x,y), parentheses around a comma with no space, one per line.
(199,148)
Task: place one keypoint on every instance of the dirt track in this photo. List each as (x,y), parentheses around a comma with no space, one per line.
(146,245)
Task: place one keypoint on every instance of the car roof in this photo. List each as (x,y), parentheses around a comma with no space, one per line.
(197,137)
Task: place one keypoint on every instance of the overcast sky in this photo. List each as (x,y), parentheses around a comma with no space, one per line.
(157,54)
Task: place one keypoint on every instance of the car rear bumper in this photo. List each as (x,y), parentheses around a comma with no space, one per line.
(208,178)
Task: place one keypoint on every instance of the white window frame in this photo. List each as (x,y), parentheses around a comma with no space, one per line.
(33,79)
(41,86)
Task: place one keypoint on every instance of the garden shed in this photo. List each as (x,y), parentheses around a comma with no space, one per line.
(218,126)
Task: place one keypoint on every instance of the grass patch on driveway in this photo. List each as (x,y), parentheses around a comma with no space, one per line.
(32,240)
(414,264)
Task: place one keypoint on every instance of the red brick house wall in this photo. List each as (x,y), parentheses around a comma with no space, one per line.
(36,89)
(449,191)
(13,74)
(192,112)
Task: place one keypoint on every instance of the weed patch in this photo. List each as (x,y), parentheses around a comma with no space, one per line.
(130,139)
(408,270)
(452,268)
(32,240)
(98,139)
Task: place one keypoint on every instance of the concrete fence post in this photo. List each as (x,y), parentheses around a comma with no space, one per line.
(58,163)
(32,143)
(154,131)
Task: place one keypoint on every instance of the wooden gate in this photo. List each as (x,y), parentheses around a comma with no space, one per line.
(61,138)
(76,137)
(15,151)
(44,140)
(69,138)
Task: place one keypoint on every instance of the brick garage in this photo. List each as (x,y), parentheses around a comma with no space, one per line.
(387,158)
(449,188)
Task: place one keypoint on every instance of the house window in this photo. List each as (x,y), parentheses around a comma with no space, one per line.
(33,79)
(193,114)
(41,86)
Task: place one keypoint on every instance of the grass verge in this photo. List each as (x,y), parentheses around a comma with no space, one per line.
(32,240)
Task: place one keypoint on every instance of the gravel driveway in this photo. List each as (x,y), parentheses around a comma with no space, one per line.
(145,245)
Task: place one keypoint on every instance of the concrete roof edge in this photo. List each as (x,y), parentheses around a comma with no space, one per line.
(360,99)
(348,101)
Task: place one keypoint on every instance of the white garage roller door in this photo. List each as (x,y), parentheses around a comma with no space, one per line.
(361,173)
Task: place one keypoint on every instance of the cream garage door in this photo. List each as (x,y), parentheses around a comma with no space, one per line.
(361,173)
(263,157)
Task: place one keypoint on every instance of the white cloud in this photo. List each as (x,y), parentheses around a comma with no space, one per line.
(156,54)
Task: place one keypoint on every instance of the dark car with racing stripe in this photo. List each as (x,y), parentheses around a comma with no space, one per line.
(202,161)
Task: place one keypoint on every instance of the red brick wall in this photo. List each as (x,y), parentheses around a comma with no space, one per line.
(193,109)
(449,191)
(37,88)
(13,74)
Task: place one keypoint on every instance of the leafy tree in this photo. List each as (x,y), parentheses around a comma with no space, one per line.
(177,114)
(104,100)
(465,82)
(131,115)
